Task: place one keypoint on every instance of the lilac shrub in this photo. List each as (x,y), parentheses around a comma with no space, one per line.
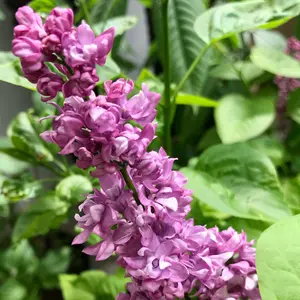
(140,211)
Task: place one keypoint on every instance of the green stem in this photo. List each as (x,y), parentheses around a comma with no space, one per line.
(190,71)
(130,185)
(167,80)
(86,12)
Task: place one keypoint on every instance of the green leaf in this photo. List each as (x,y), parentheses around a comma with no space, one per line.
(146,3)
(9,71)
(209,139)
(19,261)
(275,62)
(72,188)
(253,228)
(52,264)
(24,136)
(153,82)
(12,290)
(225,20)
(271,147)
(121,24)
(23,187)
(248,118)
(185,45)
(187,99)
(278,260)
(293,105)
(266,39)
(109,71)
(291,189)
(46,213)
(92,285)
(239,70)
(239,181)
(42,6)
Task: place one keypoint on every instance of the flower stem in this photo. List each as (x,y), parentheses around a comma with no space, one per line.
(130,185)
(190,71)
(167,80)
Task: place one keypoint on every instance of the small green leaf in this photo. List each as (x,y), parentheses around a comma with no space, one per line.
(222,21)
(9,71)
(154,83)
(92,285)
(238,180)
(146,3)
(12,290)
(52,264)
(2,16)
(109,71)
(24,136)
(278,260)
(23,187)
(293,105)
(187,99)
(275,62)
(46,213)
(73,188)
(239,119)
(244,70)
(121,24)
(42,6)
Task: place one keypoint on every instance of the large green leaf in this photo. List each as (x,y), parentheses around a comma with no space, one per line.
(275,62)
(55,262)
(278,260)
(236,71)
(121,24)
(24,136)
(239,181)
(92,285)
(46,213)
(291,189)
(9,71)
(239,119)
(73,188)
(185,45)
(12,290)
(225,20)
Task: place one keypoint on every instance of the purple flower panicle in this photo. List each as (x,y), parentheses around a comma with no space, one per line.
(140,211)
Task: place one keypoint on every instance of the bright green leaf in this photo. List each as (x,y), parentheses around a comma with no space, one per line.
(291,189)
(239,119)
(121,24)
(9,71)
(222,21)
(240,70)
(24,136)
(275,62)
(42,6)
(187,99)
(52,264)
(239,181)
(46,213)
(12,290)
(278,260)
(73,188)
(92,285)
(146,3)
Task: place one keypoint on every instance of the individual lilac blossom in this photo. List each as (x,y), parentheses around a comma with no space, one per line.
(49,85)
(82,48)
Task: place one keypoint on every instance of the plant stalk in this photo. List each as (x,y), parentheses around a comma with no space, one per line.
(167,80)
(130,185)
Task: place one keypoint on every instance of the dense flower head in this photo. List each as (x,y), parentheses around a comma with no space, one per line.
(75,52)
(140,211)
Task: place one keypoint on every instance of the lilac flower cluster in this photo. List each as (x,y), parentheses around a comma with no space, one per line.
(285,84)
(140,210)
(57,41)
